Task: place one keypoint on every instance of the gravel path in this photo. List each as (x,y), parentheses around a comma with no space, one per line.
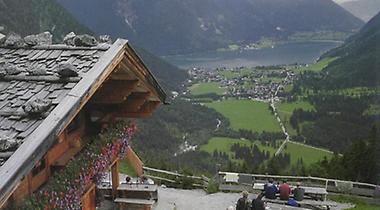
(177,199)
(174,199)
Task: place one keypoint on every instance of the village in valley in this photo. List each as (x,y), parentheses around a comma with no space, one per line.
(258,83)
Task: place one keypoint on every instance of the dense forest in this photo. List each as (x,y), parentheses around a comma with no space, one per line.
(357,63)
(160,137)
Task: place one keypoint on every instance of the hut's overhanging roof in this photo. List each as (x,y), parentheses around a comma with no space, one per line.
(41,90)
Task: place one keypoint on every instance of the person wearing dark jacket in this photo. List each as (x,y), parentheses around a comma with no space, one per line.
(258,203)
(270,190)
(298,192)
(243,202)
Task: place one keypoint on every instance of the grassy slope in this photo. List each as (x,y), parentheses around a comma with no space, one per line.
(309,155)
(126,168)
(285,110)
(246,114)
(222,144)
(359,204)
(205,88)
(319,66)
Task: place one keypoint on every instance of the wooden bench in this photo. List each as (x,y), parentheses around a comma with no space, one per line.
(312,192)
(304,203)
(134,203)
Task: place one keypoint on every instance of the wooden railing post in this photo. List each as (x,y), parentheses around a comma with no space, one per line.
(115,177)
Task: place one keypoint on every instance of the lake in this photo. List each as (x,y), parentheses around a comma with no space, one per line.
(288,53)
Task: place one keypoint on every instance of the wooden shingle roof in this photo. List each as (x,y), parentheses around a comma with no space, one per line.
(19,89)
(39,97)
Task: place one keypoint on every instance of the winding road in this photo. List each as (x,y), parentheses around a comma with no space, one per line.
(283,128)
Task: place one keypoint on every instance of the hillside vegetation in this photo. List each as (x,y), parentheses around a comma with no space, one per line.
(358,60)
(35,16)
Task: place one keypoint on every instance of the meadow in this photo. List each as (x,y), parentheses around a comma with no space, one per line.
(247,114)
(206,88)
(308,154)
(285,110)
(223,144)
(359,203)
(234,74)
(318,66)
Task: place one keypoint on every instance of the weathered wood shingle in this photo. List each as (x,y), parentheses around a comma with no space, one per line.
(25,87)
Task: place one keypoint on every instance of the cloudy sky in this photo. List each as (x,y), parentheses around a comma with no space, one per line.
(340,1)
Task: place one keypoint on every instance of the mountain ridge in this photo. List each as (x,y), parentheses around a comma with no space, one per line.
(183,26)
(36,16)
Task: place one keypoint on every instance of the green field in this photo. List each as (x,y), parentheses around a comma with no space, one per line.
(126,168)
(354,92)
(247,114)
(285,110)
(222,144)
(234,74)
(319,66)
(359,203)
(309,155)
(206,88)
(374,109)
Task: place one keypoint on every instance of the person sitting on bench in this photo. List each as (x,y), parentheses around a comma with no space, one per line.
(298,192)
(270,190)
(284,191)
(258,203)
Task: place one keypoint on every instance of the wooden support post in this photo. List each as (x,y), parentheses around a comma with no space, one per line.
(135,161)
(89,199)
(115,177)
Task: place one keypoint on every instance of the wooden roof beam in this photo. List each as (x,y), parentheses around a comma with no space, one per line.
(135,101)
(146,110)
(114,91)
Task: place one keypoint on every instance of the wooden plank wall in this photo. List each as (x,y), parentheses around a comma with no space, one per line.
(31,182)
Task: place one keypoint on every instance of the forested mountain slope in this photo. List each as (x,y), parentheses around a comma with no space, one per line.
(178,26)
(359,58)
(34,16)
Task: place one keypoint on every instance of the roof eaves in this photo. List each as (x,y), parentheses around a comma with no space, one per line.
(151,78)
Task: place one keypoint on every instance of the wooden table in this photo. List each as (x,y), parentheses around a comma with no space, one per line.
(133,203)
(140,191)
